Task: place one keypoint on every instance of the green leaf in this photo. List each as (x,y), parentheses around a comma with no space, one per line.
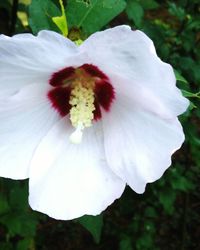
(41,13)
(135,12)
(6,246)
(25,244)
(93,224)
(61,21)
(125,244)
(190,94)
(20,224)
(92,15)
(149,4)
(26,2)
(4,206)
(192,106)
(167,198)
(18,198)
(174,10)
(179,77)
(150,212)
(182,183)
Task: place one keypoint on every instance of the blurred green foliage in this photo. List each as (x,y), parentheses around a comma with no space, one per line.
(167,216)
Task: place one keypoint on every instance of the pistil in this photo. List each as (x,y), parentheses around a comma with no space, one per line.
(82,107)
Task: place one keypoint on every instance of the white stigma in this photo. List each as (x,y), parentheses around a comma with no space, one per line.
(76,136)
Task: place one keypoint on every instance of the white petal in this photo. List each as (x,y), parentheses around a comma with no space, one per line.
(131,58)
(58,40)
(68,180)
(24,119)
(26,59)
(139,144)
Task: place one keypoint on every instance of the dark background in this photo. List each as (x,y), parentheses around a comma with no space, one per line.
(167,216)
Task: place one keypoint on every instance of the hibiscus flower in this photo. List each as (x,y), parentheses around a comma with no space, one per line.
(81,122)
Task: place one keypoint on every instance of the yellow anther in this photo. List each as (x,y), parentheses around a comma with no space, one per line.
(82,101)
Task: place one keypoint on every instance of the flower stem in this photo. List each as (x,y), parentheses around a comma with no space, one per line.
(13,17)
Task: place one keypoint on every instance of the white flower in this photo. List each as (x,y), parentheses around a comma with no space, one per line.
(82,122)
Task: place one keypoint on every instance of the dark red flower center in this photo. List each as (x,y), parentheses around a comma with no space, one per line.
(87,76)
